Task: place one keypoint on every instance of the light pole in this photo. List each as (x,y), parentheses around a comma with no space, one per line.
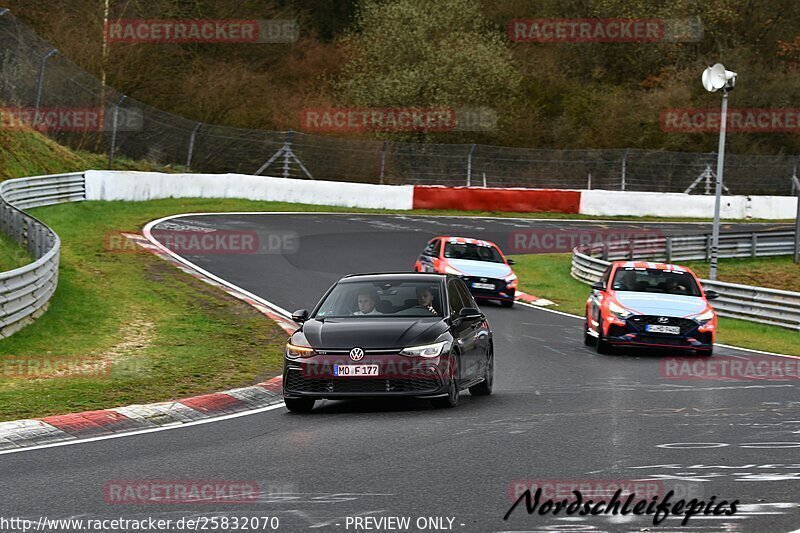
(715,78)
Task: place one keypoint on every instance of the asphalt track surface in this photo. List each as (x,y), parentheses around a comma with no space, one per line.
(559,412)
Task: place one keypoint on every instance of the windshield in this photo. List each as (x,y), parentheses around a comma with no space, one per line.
(655,280)
(382,299)
(473,252)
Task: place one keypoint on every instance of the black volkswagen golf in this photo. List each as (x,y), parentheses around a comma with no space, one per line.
(411,334)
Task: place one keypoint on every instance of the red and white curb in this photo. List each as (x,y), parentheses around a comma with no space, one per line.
(27,433)
(134,418)
(531,299)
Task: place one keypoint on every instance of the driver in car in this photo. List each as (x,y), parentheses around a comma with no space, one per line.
(366,303)
(425,299)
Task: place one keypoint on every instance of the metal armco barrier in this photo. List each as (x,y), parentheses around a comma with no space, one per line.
(745,302)
(25,292)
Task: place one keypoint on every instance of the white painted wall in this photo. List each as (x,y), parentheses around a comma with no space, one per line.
(138,186)
(608,203)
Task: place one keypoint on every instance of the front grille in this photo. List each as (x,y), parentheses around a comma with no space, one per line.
(640,321)
(295,382)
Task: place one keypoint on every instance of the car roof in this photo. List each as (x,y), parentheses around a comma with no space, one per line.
(653,265)
(467,240)
(400,276)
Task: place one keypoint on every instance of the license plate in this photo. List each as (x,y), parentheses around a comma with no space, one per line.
(655,328)
(488,286)
(355,370)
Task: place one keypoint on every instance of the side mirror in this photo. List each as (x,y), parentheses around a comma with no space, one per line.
(300,316)
(711,295)
(510,261)
(598,286)
(470,313)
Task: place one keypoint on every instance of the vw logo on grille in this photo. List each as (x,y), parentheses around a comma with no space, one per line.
(356,354)
(663,319)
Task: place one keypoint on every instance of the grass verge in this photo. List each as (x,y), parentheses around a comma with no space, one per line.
(548,276)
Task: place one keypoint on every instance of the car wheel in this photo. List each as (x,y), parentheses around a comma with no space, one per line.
(588,340)
(484,388)
(299,405)
(507,303)
(603,346)
(451,400)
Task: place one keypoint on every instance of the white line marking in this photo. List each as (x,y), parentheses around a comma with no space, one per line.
(143,431)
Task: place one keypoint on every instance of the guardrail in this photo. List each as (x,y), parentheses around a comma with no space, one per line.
(745,302)
(25,292)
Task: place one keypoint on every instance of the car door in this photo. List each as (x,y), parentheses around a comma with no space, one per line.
(466,329)
(479,330)
(462,330)
(596,299)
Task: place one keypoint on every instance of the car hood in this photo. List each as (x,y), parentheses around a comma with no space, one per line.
(480,268)
(372,333)
(661,304)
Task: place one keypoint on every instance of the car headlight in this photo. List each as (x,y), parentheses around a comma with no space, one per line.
(293,351)
(427,350)
(450,270)
(702,318)
(511,277)
(618,311)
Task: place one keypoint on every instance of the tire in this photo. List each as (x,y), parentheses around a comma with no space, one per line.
(603,346)
(484,388)
(451,400)
(588,340)
(507,303)
(299,405)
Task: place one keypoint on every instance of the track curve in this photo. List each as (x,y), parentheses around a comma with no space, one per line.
(560,412)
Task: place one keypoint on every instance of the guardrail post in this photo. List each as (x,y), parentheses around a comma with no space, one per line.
(605,251)
(632,248)
(383,161)
(287,152)
(796,184)
(469,165)
(39,84)
(668,248)
(708,247)
(114,119)
(753,245)
(191,146)
(624,169)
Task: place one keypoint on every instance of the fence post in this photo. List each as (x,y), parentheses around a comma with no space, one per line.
(469,165)
(191,146)
(287,152)
(40,83)
(383,161)
(668,248)
(113,146)
(796,184)
(589,182)
(624,168)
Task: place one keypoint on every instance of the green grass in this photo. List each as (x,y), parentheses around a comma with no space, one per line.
(28,153)
(775,272)
(548,276)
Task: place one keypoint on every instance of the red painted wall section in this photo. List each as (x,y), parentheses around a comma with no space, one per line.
(479,199)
